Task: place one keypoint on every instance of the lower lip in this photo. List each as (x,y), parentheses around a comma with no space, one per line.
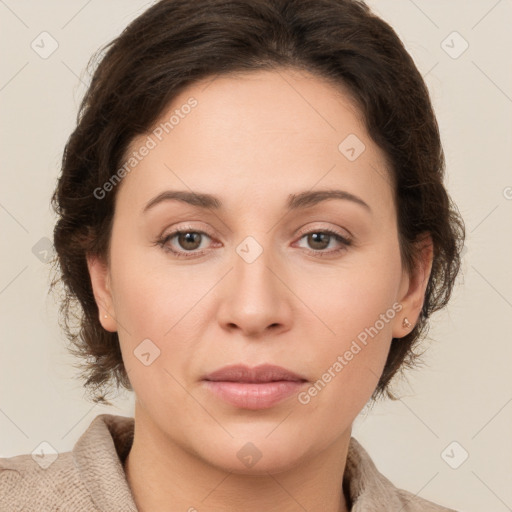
(254,395)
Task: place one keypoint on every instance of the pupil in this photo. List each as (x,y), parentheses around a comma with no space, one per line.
(317,239)
(189,238)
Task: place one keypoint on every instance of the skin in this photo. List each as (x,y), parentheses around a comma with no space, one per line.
(253,140)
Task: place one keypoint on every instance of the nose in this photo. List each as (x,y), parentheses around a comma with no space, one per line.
(255,296)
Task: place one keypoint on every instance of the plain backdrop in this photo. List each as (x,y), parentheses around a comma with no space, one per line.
(458,407)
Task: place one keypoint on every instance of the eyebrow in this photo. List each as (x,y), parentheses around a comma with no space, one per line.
(294,202)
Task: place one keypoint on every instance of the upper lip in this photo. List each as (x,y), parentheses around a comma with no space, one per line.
(260,373)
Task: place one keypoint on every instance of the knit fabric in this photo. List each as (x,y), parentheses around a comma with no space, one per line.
(91,477)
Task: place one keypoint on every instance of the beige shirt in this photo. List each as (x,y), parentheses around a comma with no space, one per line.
(91,477)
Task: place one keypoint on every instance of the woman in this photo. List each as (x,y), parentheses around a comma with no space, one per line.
(253,221)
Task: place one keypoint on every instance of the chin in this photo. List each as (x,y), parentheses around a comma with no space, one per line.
(256,454)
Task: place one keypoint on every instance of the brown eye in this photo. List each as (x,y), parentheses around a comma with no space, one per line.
(319,241)
(189,240)
(183,243)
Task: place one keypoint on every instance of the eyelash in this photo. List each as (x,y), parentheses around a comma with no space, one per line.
(162,242)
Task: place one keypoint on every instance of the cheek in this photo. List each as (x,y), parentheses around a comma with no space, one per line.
(149,299)
(155,305)
(352,297)
(358,308)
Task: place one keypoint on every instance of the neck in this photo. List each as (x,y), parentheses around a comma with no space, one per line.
(165,477)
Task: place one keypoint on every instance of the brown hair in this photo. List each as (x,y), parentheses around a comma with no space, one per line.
(177,42)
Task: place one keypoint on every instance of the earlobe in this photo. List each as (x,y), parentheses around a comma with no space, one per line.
(416,284)
(100,281)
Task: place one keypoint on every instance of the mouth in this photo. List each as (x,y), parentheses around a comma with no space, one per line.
(255,388)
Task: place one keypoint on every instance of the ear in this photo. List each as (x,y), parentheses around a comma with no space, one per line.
(414,285)
(100,281)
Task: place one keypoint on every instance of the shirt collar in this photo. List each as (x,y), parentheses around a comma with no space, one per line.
(99,455)
(368,489)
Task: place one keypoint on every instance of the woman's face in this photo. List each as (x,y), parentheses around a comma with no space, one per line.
(255,281)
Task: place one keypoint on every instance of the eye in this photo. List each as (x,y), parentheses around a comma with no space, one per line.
(186,239)
(319,240)
(186,243)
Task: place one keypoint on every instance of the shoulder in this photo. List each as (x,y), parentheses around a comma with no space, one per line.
(413,503)
(28,483)
(370,490)
(89,478)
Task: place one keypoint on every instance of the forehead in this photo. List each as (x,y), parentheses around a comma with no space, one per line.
(258,135)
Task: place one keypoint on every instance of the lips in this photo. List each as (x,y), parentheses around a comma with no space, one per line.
(261,387)
(258,374)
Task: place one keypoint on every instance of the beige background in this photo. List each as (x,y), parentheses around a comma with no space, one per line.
(465,392)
